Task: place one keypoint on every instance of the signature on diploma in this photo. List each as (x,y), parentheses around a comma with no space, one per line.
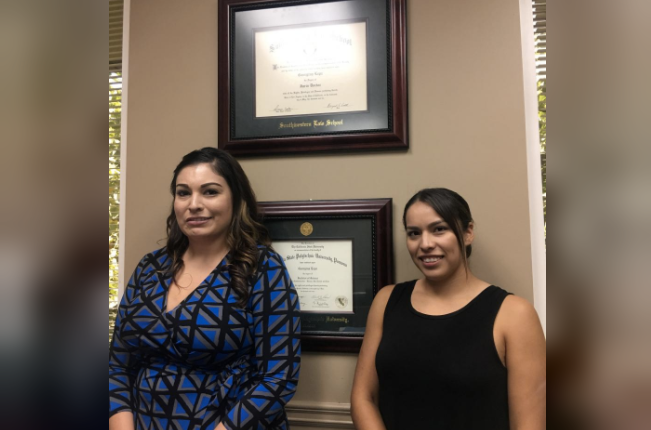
(337,106)
(279,109)
(321,301)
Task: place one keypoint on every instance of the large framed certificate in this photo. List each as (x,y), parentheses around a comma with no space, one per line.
(339,253)
(311,76)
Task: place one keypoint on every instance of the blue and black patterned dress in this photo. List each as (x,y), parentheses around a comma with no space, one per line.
(206,361)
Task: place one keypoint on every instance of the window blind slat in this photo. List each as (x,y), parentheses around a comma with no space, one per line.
(116,15)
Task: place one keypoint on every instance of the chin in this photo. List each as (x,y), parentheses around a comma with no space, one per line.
(194,233)
(437,274)
(434,277)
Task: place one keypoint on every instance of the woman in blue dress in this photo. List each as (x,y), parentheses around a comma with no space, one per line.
(207,334)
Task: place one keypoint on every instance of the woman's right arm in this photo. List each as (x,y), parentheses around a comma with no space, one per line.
(124,362)
(122,373)
(365,396)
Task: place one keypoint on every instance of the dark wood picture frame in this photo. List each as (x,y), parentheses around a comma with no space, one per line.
(331,219)
(237,88)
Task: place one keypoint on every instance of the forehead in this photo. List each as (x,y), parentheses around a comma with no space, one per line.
(199,173)
(421,214)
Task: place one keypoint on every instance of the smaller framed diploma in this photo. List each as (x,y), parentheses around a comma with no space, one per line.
(339,253)
(322,272)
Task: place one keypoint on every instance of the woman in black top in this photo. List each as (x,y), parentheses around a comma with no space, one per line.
(448,351)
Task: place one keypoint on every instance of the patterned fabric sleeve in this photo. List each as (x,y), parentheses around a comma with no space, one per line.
(276,323)
(123,361)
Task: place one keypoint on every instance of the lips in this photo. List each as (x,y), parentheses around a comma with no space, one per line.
(430,260)
(197,220)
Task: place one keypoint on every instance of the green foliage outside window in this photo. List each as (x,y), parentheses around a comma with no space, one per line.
(115,109)
(542,121)
(540,46)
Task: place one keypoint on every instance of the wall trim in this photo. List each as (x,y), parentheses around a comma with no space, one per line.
(536,218)
(330,424)
(319,414)
(123,145)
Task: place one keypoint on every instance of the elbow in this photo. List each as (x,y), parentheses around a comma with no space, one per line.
(361,400)
(354,405)
(363,410)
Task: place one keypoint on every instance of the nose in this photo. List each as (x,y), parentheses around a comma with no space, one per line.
(427,241)
(196,202)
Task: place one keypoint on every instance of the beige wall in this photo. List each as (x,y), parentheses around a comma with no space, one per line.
(467,133)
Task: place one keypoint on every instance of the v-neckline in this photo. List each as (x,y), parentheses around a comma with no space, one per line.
(185,299)
(169,281)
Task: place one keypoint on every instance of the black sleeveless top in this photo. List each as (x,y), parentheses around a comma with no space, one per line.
(442,372)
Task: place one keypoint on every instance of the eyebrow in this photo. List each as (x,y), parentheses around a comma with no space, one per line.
(435,223)
(203,185)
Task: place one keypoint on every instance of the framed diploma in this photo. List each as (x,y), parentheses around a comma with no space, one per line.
(300,76)
(339,253)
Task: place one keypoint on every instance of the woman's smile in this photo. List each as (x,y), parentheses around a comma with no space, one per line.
(433,246)
(430,261)
(203,203)
(198,221)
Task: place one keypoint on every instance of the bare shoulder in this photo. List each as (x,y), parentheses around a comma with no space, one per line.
(376,314)
(382,298)
(384,293)
(517,316)
(518,309)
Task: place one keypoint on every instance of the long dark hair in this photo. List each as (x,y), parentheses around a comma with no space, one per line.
(452,208)
(246,231)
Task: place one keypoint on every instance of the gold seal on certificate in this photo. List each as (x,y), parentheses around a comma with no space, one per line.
(322,272)
(312,69)
(306,229)
(341,302)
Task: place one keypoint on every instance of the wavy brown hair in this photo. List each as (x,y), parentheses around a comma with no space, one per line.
(246,231)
